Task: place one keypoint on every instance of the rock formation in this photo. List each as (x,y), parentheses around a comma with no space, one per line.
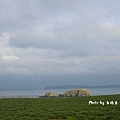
(77,92)
(51,94)
(70,93)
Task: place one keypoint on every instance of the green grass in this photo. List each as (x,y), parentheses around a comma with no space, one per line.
(71,108)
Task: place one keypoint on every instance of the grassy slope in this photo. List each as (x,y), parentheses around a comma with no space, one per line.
(72,108)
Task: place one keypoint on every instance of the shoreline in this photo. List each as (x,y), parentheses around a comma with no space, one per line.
(37,97)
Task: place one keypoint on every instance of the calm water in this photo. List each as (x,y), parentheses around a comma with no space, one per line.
(33,93)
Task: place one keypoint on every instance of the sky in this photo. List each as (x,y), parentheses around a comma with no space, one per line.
(57,42)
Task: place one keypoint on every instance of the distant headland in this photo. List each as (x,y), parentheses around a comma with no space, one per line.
(80,86)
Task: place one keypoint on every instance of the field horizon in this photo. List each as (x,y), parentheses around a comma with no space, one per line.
(103,107)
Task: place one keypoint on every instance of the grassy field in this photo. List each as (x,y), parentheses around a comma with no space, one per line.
(71,108)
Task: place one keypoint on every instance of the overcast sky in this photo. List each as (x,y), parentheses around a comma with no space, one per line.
(51,42)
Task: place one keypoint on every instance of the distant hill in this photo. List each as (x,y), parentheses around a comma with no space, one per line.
(79,86)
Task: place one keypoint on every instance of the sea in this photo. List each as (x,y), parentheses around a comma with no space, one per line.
(35,93)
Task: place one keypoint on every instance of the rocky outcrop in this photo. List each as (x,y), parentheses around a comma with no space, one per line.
(70,93)
(77,92)
(51,94)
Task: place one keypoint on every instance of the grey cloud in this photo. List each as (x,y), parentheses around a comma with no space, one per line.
(26,14)
(83,36)
(18,82)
